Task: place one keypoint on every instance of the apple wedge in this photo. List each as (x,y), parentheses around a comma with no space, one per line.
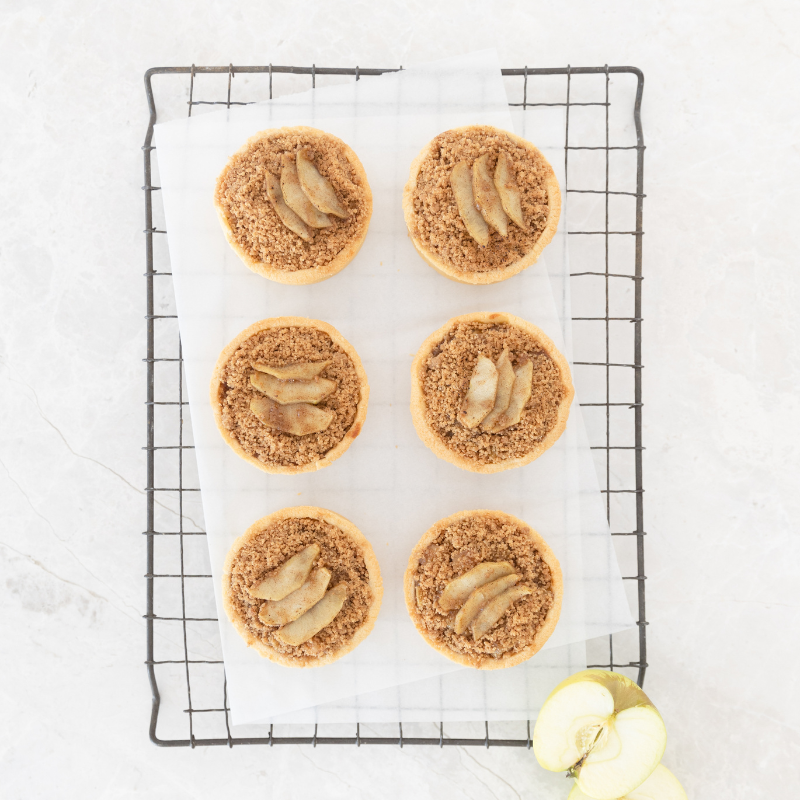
(520,394)
(284,392)
(505,383)
(285,214)
(296,198)
(477,601)
(481,394)
(299,419)
(294,372)
(315,619)
(506,184)
(295,604)
(603,729)
(487,198)
(459,589)
(289,577)
(495,609)
(461,182)
(661,785)
(317,188)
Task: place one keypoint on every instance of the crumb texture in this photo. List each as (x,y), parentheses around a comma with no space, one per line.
(445,380)
(437,224)
(278,347)
(458,548)
(272,547)
(242,196)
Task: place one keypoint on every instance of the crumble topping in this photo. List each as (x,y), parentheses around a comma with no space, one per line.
(446,378)
(437,223)
(278,347)
(242,194)
(274,546)
(458,548)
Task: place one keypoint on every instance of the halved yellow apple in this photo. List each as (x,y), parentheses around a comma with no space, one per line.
(661,785)
(603,729)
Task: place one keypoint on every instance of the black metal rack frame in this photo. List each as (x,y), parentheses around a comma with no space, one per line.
(153,577)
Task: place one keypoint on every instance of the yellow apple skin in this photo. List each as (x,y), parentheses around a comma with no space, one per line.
(661,785)
(604,729)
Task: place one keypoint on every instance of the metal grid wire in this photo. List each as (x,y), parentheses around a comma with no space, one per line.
(616,323)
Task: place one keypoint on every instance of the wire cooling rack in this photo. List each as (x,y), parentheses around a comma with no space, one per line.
(603,159)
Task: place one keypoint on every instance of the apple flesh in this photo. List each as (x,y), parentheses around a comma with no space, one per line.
(661,785)
(603,729)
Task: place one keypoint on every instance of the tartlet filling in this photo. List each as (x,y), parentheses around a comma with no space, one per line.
(279,347)
(437,223)
(265,553)
(463,546)
(446,382)
(256,224)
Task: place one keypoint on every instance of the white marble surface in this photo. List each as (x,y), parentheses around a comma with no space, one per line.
(721,383)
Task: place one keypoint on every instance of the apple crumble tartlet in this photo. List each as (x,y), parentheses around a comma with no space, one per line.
(289,394)
(484,589)
(481,204)
(295,204)
(302,586)
(489,392)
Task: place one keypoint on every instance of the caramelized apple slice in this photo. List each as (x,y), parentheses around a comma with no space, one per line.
(505,382)
(299,419)
(296,198)
(461,181)
(315,619)
(520,394)
(285,214)
(487,200)
(481,394)
(289,577)
(284,392)
(460,588)
(506,184)
(279,612)
(479,598)
(318,189)
(490,615)
(294,372)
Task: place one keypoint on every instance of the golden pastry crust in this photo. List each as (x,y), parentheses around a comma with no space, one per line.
(342,240)
(476,442)
(530,245)
(261,644)
(528,547)
(219,388)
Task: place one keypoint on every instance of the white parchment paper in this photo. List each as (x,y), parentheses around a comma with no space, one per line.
(389,484)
